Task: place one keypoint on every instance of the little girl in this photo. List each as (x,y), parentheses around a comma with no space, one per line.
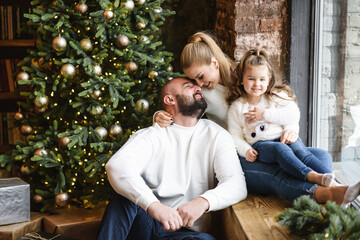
(260,112)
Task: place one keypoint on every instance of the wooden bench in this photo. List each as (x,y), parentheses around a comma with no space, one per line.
(254,218)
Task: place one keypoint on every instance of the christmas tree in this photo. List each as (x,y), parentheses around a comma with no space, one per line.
(314,221)
(92,81)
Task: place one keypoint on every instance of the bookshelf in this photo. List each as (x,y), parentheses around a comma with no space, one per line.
(15,39)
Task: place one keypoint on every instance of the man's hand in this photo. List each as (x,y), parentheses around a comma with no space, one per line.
(251,155)
(257,114)
(288,136)
(193,210)
(164,119)
(168,217)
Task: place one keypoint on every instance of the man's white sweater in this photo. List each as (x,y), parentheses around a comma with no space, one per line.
(175,165)
(279,114)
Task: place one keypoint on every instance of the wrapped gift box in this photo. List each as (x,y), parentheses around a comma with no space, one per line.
(77,223)
(43,236)
(14,201)
(17,230)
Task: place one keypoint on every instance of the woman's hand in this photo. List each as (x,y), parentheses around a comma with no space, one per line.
(288,136)
(251,155)
(164,119)
(257,114)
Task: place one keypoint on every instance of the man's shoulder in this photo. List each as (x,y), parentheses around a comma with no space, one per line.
(209,124)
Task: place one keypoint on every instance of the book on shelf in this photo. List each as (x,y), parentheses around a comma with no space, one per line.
(14,24)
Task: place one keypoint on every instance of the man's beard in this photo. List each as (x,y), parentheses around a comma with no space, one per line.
(191,106)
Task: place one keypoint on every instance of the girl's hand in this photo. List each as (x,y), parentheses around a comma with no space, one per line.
(164,119)
(288,136)
(257,114)
(251,155)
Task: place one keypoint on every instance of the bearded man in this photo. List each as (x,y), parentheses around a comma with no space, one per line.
(167,179)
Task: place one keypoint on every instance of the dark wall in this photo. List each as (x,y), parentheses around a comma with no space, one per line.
(191,16)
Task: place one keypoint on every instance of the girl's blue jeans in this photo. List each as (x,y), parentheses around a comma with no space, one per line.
(269,178)
(125,220)
(294,158)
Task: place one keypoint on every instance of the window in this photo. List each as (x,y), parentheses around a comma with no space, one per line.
(337,79)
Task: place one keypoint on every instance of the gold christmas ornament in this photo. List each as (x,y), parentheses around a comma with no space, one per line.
(81,7)
(24,170)
(115,130)
(59,43)
(68,70)
(64,141)
(86,44)
(26,130)
(99,110)
(129,5)
(142,105)
(62,199)
(131,67)
(22,76)
(96,94)
(41,101)
(38,199)
(122,41)
(108,15)
(102,132)
(169,68)
(140,2)
(144,39)
(18,116)
(153,74)
(41,109)
(40,152)
(140,26)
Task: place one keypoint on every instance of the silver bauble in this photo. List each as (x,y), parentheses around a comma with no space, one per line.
(140,2)
(81,7)
(158,10)
(131,67)
(97,70)
(108,15)
(153,74)
(102,132)
(169,68)
(96,94)
(22,76)
(24,170)
(142,105)
(18,116)
(40,152)
(99,110)
(115,130)
(41,101)
(64,141)
(129,5)
(140,26)
(122,41)
(144,39)
(68,70)
(86,44)
(26,130)
(38,199)
(59,43)
(62,199)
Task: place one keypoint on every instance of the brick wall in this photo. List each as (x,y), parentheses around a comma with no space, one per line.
(245,24)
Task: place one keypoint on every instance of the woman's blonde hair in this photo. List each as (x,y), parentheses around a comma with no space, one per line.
(256,57)
(200,50)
